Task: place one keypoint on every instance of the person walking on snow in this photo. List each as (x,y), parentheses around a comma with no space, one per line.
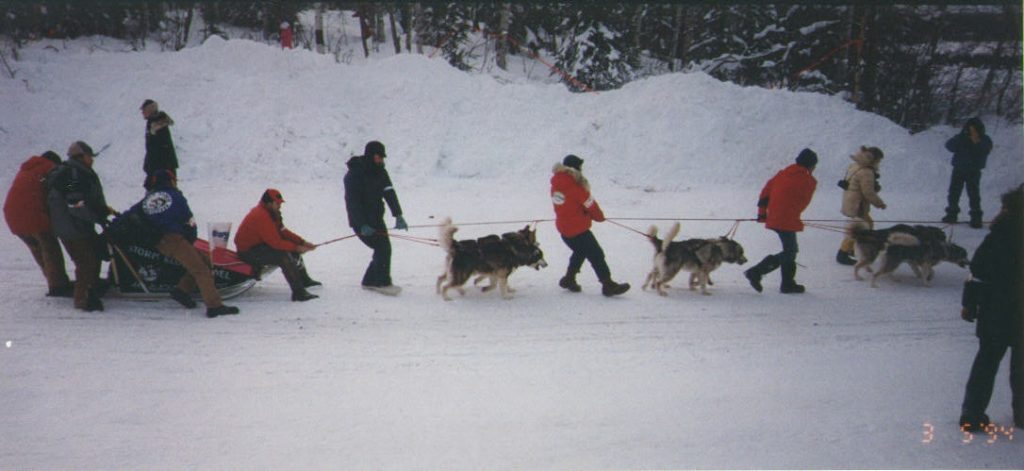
(28,218)
(160,154)
(860,194)
(367,187)
(575,208)
(993,299)
(782,200)
(167,210)
(263,240)
(77,204)
(970,150)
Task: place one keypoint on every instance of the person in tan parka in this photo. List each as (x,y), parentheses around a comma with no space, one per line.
(860,194)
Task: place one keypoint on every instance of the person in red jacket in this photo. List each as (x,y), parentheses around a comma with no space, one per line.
(28,218)
(263,240)
(779,206)
(575,208)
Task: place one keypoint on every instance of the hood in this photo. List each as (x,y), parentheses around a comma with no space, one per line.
(359,164)
(976,122)
(576,175)
(864,159)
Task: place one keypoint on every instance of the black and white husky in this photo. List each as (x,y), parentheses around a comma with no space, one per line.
(698,256)
(493,256)
(921,247)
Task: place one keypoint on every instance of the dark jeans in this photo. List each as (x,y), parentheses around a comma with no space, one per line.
(789,246)
(983,377)
(957,181)
(378,273)
(585,247)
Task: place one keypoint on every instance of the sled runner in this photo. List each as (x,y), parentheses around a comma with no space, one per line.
(141,272)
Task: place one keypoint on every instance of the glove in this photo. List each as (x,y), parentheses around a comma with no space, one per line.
(400,223)
(367,231)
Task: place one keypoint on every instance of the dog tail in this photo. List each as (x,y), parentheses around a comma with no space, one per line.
(672,233)
(902,238)
(446,236)
(652,234)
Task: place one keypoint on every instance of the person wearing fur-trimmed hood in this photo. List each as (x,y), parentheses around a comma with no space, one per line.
(860,194)
(160,153)
(575,209)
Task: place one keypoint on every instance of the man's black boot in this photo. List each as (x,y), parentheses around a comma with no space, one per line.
(756,272)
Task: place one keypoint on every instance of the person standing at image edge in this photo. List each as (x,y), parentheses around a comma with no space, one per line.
(970,150)
(367,187)
(575,209)
(779,206)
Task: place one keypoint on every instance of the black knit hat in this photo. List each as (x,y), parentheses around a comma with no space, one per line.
(807,158)
(52,156)
(79,148)
(374,148)
(573,162)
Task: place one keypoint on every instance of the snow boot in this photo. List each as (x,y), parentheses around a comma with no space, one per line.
(183,298)
(973,422)
(756,272)
(92,302)
(303,295)
(610,288)
(950,217)
(388,290)
(66,291)
(845,258)
(975,220)
(569,282)
(789,284)
(222,310)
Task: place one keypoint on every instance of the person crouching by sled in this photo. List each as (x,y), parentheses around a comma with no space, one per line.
(860,193)
(779,206)
(263,240)
(166,209)
(575,208)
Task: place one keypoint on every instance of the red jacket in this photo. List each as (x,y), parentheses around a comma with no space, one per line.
(575,208)
(262,227)
(784,197)
(25,206)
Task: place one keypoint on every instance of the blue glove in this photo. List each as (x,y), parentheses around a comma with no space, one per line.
(367,231)
(400,223)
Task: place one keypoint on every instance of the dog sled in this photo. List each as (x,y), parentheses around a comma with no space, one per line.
(140,272)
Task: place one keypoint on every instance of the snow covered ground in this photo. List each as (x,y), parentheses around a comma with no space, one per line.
(844,376)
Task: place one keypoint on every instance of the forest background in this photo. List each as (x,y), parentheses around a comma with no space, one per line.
(918,65)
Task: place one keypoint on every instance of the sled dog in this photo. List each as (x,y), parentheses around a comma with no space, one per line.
(921,247)
(493,256)
(698,256)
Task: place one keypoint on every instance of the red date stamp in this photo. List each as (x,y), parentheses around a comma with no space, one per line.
(991,434)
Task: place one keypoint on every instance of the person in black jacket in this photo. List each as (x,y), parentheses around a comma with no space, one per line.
(970,151)
(160,154)
(367,187)
(76,203)
(993,299)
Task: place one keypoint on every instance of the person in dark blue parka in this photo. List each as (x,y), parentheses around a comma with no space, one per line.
(970,150)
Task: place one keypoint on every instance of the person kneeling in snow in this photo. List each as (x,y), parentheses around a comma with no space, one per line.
(263,240)
(166,209)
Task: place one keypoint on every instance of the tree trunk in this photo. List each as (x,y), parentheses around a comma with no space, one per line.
(365,30)
(983,94)
(1009,79)
(418,26)
(189,14)
(501,44)
(953,109)
(868,75)
(407,22)
(318,30)
(395,37)
(677,26)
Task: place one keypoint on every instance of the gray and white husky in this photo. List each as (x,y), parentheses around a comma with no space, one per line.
(494,257)
(698,256)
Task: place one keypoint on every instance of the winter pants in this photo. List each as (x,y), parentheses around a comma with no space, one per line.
(290,263)
(197,268)
(87,267)
(957,181)
(848,243)
(585,247)
(789,247)
(46,251)
(983,377)
(378,273)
